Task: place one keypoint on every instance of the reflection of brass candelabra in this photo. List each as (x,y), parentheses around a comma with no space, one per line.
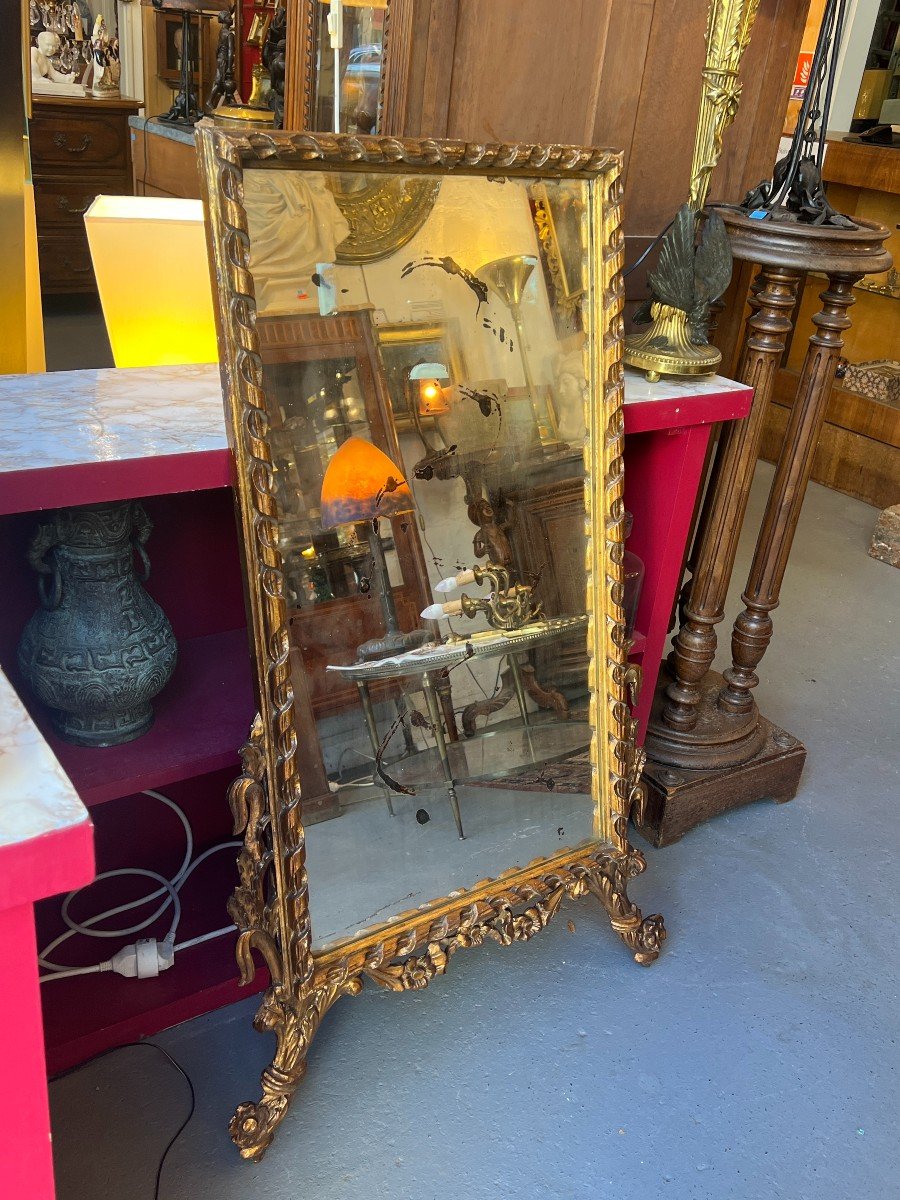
(507,607)
(667,347)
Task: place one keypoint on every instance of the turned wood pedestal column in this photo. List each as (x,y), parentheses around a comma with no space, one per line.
(708,747)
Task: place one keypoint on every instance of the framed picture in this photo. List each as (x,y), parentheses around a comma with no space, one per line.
(169,35)
(559,218)
(405,346)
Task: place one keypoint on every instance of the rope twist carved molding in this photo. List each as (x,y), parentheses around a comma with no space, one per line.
(417,153)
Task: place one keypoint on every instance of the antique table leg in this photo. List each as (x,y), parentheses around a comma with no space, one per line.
(516,671)
(434,715)
(753,627)
(369,715)
(694,647)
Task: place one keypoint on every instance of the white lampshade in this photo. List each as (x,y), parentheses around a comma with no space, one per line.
(149,255)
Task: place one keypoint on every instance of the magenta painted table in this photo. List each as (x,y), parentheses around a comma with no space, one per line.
(89,436)
(46,846)
(667,430)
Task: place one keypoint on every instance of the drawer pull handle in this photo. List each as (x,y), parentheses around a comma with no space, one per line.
(63,204)
(61,141)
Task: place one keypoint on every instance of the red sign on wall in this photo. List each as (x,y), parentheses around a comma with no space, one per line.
(801,75)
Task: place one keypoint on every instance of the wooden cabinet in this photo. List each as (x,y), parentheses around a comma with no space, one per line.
(79,149)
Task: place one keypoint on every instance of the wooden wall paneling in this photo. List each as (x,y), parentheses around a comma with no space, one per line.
(431,68)
(621,75)
(398,35)
(658,173)
(845,460)
(526,71)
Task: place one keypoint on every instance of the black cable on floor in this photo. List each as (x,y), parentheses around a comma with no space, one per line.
(181,1071)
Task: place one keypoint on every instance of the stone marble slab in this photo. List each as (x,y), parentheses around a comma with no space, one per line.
(67,418)
(36,795)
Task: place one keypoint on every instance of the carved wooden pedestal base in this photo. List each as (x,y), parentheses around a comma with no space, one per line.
(679,799)
(708,746)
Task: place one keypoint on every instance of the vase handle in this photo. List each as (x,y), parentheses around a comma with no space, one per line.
(143,527)
(43,540)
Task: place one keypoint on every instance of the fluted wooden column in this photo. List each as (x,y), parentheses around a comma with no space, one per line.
(695,646)
(753,628)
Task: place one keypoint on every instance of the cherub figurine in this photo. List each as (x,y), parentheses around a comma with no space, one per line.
(42,55)
(224,85)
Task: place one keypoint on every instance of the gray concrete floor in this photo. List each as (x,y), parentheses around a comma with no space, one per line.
(756,1059)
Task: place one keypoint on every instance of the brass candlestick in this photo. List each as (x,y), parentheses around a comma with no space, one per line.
(670,345)
(507,607)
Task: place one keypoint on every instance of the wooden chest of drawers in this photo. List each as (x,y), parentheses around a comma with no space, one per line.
(79,149)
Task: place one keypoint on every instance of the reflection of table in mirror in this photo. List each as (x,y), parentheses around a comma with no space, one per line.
(494,753)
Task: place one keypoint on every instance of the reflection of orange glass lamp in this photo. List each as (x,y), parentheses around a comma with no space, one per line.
(362,484)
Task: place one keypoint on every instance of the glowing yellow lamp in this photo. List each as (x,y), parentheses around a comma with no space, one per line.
(432,399)
(149,255)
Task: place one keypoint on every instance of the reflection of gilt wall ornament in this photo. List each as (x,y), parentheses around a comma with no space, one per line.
(566,293)
(383,215)
(670,346)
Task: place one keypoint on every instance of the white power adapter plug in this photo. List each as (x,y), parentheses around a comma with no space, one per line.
(144,959)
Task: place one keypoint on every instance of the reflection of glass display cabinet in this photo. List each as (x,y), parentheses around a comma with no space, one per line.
(358,63)
(372,66)
(325,383)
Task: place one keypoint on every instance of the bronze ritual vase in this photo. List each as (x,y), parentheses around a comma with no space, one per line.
(99,648)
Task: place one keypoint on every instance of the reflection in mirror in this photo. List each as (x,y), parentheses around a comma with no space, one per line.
(427,430)
(352,54)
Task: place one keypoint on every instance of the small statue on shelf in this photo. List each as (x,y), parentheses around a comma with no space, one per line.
(224,86)
(273,55)
(105,68)
(42,55)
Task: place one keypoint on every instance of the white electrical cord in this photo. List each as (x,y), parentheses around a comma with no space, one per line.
(147,957)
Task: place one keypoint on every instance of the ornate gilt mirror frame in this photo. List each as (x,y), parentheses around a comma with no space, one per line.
(271,904)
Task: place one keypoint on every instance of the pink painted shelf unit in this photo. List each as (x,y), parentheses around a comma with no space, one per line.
(157,434)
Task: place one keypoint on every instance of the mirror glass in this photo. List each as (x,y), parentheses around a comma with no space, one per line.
(355,62)
(425,347)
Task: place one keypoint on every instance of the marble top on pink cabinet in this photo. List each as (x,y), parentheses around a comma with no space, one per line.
(46,844)
(81,437)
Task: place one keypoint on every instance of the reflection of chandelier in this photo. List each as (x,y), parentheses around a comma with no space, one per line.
(56,18)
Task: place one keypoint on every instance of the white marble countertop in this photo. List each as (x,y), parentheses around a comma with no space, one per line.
(638,390)
(36,795)
(64,418)
(67,418)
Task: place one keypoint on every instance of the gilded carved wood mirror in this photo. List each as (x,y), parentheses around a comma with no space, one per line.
(428,468)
